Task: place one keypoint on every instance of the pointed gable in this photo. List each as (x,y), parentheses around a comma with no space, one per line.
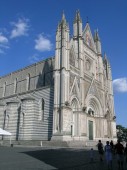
(75,88)
(88,38)
(93,90)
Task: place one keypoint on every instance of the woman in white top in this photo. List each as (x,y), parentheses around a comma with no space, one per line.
(108,154)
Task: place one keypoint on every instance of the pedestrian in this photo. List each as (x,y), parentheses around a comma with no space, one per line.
(91,155)
(108,154)
(100,150)
(119,149)
(112,146)
(125,152)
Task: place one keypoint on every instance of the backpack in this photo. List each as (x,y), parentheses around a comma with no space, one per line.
(100,147)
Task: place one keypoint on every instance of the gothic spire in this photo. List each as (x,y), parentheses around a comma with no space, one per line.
(96,36)
(97,42)
(63,20)
(106,61)
(77,17)
(105,58)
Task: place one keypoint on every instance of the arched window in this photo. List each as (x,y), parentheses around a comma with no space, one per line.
(15,85)
(4,88)
(41,109)
(28,82)
(88,65)
(7,121)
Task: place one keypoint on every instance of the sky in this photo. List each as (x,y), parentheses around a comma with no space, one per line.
(28,29)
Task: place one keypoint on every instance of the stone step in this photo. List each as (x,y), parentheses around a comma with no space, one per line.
(52,143)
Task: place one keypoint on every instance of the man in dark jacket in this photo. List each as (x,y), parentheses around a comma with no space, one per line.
(100,150)
(119,149)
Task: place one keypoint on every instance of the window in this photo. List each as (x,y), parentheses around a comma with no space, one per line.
(4,89)
(28,82)
(15,85)
(41,109)
(7,121)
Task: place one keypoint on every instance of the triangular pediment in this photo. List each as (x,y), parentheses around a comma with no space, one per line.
(88,38)
(74,91)
(93,91)
(75,88)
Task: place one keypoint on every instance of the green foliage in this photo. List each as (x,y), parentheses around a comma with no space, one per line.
(121,133)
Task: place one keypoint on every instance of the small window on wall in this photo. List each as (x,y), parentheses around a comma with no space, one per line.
(41,109)
(7,121)
(15,85)
(28,82)
(4,88)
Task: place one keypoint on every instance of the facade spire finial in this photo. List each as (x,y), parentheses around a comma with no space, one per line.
(105,56)
(78,16)
(96,35)
(63,15)
(63,18)
(75,20)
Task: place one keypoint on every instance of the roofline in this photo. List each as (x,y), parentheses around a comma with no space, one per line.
(50,58)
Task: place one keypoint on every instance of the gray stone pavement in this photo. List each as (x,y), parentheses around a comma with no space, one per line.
(37,158)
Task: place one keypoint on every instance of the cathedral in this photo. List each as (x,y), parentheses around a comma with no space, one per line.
(67,97)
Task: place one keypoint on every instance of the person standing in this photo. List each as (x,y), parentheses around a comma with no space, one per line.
(108,154)
(125,152)
(112,146)
(100,150)
(119,149)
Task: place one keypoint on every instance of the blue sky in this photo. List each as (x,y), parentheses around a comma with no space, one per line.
(28,28)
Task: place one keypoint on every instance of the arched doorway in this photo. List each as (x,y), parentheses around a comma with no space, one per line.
(94,119)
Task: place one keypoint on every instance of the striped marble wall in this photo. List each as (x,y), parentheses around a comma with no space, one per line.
(20,114)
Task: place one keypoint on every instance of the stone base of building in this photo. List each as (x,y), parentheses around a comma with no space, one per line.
(61,137)
(80,140)
(58,141)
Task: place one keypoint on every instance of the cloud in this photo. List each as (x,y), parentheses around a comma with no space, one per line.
(35,58)
(20,28)
(120,85)
(43,43)
(3,43)
(3,39)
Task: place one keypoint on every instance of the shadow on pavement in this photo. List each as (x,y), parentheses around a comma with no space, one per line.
(62,158)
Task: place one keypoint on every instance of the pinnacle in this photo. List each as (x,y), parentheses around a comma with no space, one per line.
(77,17)
(63,18)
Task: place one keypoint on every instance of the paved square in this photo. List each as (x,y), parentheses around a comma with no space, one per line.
(35,158)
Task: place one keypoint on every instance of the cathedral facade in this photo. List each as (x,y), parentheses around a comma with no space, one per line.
(67,97)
